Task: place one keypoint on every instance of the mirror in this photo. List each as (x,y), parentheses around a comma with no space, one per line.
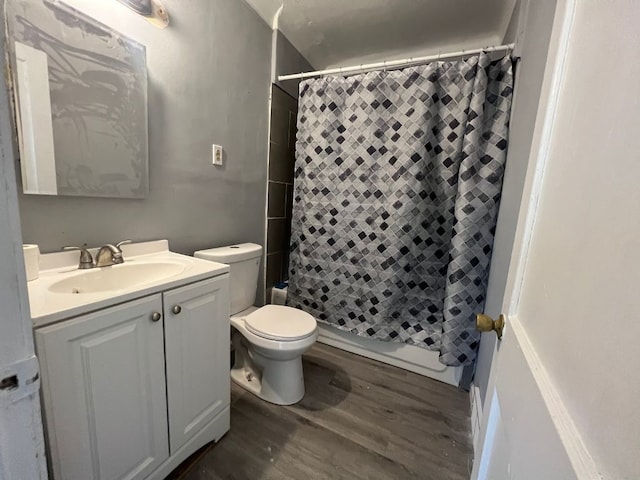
(81,103)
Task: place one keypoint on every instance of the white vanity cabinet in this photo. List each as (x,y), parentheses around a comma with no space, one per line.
(197,349)
(130,391)
(104,392)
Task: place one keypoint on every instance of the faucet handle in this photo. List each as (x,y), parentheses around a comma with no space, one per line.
(123,242)
(86,260)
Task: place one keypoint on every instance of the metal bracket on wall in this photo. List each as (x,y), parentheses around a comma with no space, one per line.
(152,10)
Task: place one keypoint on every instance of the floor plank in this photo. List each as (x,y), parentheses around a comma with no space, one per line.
(360,419)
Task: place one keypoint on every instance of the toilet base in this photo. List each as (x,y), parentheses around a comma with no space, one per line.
(278,381)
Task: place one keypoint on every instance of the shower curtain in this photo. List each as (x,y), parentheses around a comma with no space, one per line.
(397,185)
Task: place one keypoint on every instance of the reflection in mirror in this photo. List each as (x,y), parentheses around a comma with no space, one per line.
(81,103)
(35,128)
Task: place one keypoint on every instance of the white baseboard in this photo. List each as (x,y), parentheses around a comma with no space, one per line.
(476,415)
(408,357)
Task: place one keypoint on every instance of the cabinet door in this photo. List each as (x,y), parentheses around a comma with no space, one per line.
(104,392)
(197,349)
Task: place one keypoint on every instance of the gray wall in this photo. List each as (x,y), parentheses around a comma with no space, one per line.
(289,60)
(511,33)
(209,81)
(533,42)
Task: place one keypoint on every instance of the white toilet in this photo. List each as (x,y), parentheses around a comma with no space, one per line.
(269,341)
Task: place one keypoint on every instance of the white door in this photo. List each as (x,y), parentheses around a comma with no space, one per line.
(560,402)
(21,438)
(197,345)
(104,392)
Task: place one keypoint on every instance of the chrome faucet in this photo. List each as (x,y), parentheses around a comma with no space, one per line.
(86,260)
(110,254)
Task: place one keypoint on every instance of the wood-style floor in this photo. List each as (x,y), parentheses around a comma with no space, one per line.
(359,419)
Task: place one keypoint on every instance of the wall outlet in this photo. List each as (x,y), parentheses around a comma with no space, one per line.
(217,154)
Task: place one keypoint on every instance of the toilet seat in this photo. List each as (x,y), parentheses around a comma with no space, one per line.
(277,322)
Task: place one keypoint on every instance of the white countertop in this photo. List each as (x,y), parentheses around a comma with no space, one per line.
(49,307)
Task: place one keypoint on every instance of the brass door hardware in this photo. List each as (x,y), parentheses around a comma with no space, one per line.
(484,323)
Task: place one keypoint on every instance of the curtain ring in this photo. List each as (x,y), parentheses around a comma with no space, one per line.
(384,66)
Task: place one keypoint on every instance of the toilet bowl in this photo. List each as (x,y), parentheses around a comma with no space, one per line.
(269,341)
(268,359)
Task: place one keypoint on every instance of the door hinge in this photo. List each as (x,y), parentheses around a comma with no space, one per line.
(19,380)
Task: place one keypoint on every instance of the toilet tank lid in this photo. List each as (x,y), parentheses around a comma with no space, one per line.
(231,253)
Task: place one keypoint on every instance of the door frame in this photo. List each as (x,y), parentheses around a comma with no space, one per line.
(22,453)
(576,451)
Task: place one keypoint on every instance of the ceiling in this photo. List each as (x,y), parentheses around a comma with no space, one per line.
(333,33)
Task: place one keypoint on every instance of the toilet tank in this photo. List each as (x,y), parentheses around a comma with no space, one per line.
(244,262)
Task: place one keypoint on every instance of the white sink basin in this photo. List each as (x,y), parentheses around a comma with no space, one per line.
(116,277)
(61,291)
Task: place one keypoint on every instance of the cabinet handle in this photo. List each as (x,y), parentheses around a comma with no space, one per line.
(156,316)
(176,309)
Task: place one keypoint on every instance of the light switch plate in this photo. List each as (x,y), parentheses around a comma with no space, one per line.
(217,154)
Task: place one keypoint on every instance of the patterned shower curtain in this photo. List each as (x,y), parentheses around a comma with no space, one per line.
(397,186)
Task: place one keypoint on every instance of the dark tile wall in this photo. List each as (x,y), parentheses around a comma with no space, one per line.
(284,111)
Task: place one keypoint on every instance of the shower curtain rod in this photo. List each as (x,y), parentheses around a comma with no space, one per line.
(394,63)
